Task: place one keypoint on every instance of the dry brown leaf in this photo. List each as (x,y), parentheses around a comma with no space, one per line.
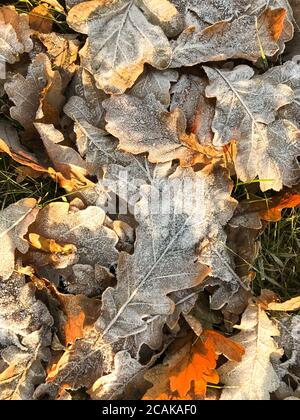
(63,52)
(41,19)
(287,306)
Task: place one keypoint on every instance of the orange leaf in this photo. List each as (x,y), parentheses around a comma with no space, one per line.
(287,201)
(190,366)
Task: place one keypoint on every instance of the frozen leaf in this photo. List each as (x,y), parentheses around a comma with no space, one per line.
(289,74)
(26,323)
(86,105)
(262,143)
(190,366)
(290,341)
(257,337)
(164,14)
(112,386)
(95,243)
(214,43)
(65,159)
(63,52)
(204,13)
(156,82)
(171,239)
(36,97)
(120,41)
(144,125)
(14,34)
(189,96)
(87,360)
(293,48)
(87,280)
(14,223)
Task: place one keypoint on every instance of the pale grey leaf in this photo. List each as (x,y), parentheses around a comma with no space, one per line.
(189,96)
(156,82)
(257,337)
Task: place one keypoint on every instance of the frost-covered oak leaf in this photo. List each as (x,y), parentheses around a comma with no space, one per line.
(120,40)
(14,222)
(14,34)
(254,378)
(245,112)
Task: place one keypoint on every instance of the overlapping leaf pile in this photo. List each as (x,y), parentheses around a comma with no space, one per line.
(142,100)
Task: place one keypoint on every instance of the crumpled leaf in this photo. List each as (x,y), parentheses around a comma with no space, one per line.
(14,34)
(245,112)
(257,337)
(156,82)
(36,97)
(25,335)
(65,159)
(85,229)
(63,52)
(41,19)
(290,341)
(86,104)
(10,144)
(188,368)
(189,96)
(144,125)
(214,43)
(14,222)
(80,366)
(125,307)
(112,386)
(120,41)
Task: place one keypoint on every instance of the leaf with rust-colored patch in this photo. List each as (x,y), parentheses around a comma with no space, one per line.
(189,366)
(286,201)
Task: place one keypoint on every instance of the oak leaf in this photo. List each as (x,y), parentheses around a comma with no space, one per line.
(260,139)
(214,43)
(120,41)
(41,19)
(257,337)
(36,97)
(15,34)
(124,308)
(190,366)
(286,201)
(25,338)
(14,222)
